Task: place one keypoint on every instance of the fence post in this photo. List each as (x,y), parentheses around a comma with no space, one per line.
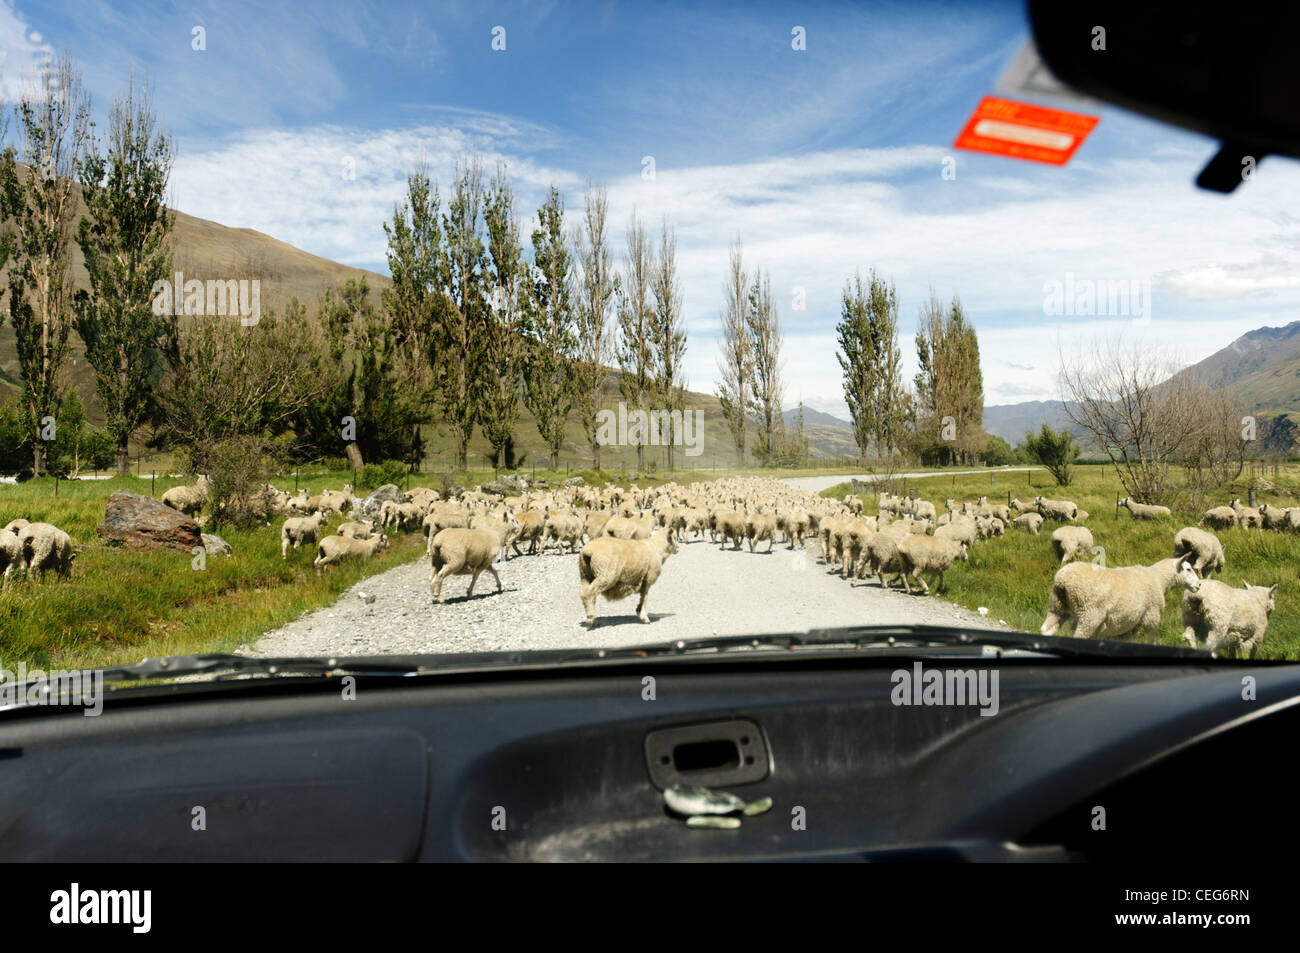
(56,484)
(153,478)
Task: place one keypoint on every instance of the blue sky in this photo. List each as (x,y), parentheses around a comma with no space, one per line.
(823,161)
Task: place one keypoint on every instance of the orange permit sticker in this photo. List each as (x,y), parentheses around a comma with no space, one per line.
(1004,127)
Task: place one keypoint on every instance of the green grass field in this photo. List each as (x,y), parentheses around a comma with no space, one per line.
(1012,575)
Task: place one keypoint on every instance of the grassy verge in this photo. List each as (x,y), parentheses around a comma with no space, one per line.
(1012,575)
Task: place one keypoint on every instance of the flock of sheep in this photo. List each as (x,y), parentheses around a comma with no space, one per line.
(624,536)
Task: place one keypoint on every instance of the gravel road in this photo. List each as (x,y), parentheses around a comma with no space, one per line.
(819,483)
(703,591)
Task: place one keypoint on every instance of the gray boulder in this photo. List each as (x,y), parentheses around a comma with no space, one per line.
(215,545)
(142,523)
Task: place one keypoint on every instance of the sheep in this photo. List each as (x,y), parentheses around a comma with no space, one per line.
(854,542)
(333,548)
(928,555)
(594,525)
(357,529)
(1279,517)
(1030,521)
(11,552)
(1219,517)
(298,504)
(1231,622)
(730,525)
(923,509)
(16,526)
(188,499)
(1204,547)
(1105,603)
(758,527)
(1022,508)
(962,531)
(1056,509)
(532,523)
(989,526)
(1144,511)
(463,552)
(46,547)
(1247,516)
(301,529)
(505,526)
(1069,542)
(565,529)
(616,568)
(631,527)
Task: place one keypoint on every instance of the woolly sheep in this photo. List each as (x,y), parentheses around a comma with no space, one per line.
(565,529)
(1279,517)
(1220,517)
(989,526)
(46,547)
(300,529)
(1229,621)
(357,529)
(1247,516)
(729,525)
(1204,547)
(1029,507)
(758,527)
(926,555)
(1145,511)
(11,552)
(617,568)
(1056,509)
(1030,521)
(960,530)
(16,526)
(1069,542)
(855,539)
(532,524)
(1104,603)
(188,499)
(333,548)
(594,525)
(463,552)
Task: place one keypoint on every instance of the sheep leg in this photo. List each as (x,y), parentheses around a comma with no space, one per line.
(1051,625)
(1189,636)
(589,593)
(640,606)
(437,582)
(500,588)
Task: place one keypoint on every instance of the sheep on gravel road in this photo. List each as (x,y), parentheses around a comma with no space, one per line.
(617,568)
(1204,547)
(1104,603)
(1229,621)
(463,552)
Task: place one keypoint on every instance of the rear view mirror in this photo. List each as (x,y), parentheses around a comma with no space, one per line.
(1227,70)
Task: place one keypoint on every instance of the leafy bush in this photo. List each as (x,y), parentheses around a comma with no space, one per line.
(377,474)
(1056,451)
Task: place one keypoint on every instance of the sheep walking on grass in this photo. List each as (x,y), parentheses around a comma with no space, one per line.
(1103,603)
(463,552)
(1062,510)
(188,499)
(1248,517)
(617,568)
(46,547)
(331,549)
(301,529)
(1070,542)
(11,553)
(1030,521)
(1204,548)
(1230,622)
(1144,511)
(1219,517)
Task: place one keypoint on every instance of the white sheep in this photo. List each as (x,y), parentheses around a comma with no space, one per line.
(357,529)
(1248,517)
(962,530)
(633,527)
(1070,542)
(301,529)
(758,527)
(1056,509)
(1145,511)
(188,499)
(45,547)
(928,555)
(1220,517)
(1030,521)
(565,529)
(1029,507)
(1229,621)
(16,526)
(1104,603)
(463,552)
(617,568)
(1203,547)
(1280,517)
(11,552)
(333,548)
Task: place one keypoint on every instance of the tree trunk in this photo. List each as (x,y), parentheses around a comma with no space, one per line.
(595,454)
(555,459)
(640,456)
(462,453)
(123,459)
(38,458)
(501,457)
(354,456)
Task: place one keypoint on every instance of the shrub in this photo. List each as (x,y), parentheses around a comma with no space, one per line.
(377,474)
(1056,451)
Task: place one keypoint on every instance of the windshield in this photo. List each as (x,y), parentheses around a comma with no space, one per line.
(413,330)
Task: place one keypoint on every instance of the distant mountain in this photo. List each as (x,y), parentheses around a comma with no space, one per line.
(1012,421)
(812,416)
(1261,369)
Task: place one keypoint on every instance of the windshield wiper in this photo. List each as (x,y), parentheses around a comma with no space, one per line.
(224,667)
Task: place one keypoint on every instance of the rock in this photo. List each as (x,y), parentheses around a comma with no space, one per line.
(367,597)
(215,545)
(142,523)
(634,475)
(499,487)
(575,481)
(370,506)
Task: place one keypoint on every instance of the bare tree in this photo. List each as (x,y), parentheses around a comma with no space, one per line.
(1142,416)
(735,362)
(667,333)
(635,353)
(596,286)
(54,126)
(763,328)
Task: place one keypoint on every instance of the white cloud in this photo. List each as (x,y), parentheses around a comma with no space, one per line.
(22,51)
